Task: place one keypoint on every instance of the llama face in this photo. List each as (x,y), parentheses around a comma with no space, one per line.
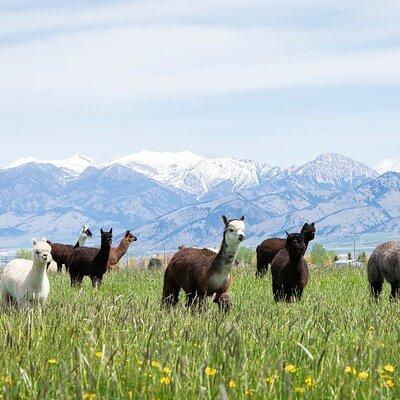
(308,231)
(86,231)
(129,237)
(234,230)
(106,237)
(41,252)
(295,244)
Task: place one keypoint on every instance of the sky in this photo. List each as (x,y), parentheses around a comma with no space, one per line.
(279,81)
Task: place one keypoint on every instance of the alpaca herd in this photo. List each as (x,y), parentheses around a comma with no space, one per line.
(199,272)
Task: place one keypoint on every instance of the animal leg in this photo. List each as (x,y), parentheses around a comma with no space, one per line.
(277,292)
(375,278)
(224,302)
(76,280)
(262,266)
(394,293)
(96,281)
(59,267)
(170,294)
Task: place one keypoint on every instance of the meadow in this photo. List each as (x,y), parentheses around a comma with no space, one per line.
(117,343)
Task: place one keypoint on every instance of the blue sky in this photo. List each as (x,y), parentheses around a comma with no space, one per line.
(280,81)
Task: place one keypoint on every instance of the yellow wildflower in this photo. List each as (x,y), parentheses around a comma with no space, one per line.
(310,382)
(249,392)
(5,379)
(52,361)
(290,368)
(389,368)
(232,384)
(299,390)
(89,396)
(363,376)
(350,370)
(371,328)
(165,380)
(389,383)
(99,354)
(269,380)
(167,370)
(210,371)
(155,364)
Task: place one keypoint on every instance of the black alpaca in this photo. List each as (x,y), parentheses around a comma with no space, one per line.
(269,248)
(289,270)
(90,261)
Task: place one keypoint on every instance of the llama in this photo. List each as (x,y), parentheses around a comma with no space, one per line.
(116,253)
(60,252)
(25,282)
(289,269)
(202,272)
(384,263)
(90,261)
(269,248)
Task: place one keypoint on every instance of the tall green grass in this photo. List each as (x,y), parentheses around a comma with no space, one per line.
(118,344)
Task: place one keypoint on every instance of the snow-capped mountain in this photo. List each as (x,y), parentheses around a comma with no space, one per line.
(174,198)
(76,164)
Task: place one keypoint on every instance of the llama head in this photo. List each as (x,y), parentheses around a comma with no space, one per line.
(308,231)
(295,244)
(86,232)
(128,237)
(106,237)
(234,230)
(41,252)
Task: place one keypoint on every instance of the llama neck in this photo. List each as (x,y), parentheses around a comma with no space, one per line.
(295,261)
(226,256)
(37,272)
(306,241)
(122,249)
(104,252)
(81,240)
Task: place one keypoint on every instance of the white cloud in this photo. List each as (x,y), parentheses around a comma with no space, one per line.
(139,51)
(390,164)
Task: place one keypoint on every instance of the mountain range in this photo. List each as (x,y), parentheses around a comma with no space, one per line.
(170,199)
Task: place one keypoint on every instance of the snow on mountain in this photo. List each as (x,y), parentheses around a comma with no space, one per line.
(76,164)
(330,170)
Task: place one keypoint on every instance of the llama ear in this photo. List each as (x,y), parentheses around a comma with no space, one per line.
(128,232)
(34,241)
(242,218)
(101,230)
(225,220)
(111,230)
(44,239)
(312,223)
(287,233)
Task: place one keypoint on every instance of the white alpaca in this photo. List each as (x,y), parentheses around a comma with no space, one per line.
(25,281)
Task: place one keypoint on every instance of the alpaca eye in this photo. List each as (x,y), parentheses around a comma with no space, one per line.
(231,230)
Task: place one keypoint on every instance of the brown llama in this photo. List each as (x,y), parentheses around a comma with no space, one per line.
(384,263)
(90,261)
(202,272)
(269,248)
(289,269)
(116,253)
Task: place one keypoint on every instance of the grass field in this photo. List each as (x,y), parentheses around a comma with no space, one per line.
(118,344)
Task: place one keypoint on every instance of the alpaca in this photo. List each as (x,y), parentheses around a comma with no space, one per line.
(289,269)
(384,263)
(202,272)
(60,252)
(90,261)
(25,282)
(269,248)
(116,253)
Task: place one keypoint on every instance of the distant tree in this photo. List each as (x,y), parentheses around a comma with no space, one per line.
(349,256)
(335,258)
(24,254)
(320,256)
(362,257)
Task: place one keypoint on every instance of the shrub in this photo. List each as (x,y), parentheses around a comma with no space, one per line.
(320,256)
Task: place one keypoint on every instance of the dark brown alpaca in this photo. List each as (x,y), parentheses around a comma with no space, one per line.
(116,253)
(60,252)
(202,272)
(90,261)
(289,269)
(269,248)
